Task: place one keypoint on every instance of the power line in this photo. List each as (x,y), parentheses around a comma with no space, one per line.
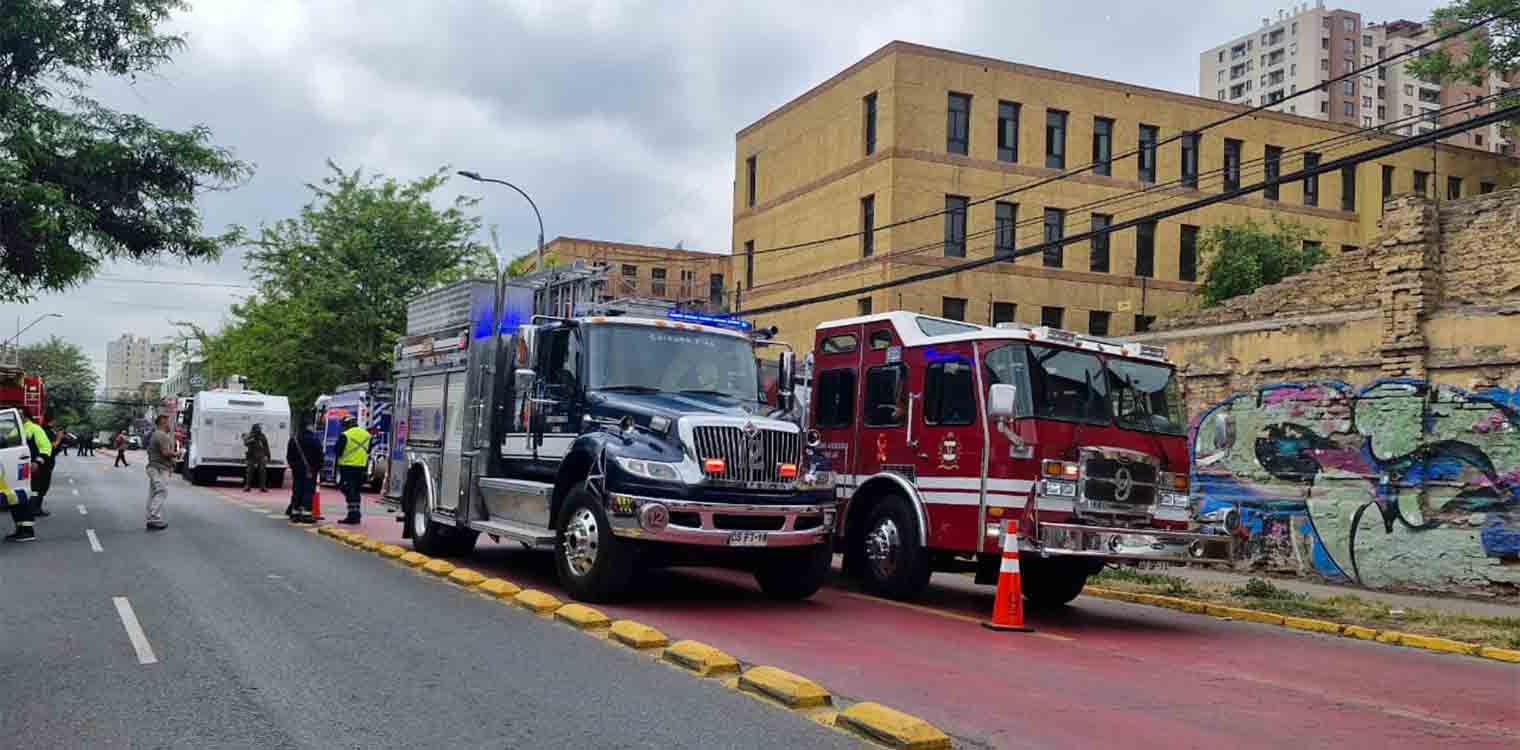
(124,280)
(1323,85)
(1331,166)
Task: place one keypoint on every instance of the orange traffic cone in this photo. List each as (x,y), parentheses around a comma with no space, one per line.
(1008,607)
(316,504)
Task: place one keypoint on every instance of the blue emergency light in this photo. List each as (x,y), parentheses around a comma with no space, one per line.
(710,320)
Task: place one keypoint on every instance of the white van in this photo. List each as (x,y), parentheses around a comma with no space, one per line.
(219,421)
(15,457)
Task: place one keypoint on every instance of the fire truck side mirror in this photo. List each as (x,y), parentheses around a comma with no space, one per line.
(786,370)
(1002,401)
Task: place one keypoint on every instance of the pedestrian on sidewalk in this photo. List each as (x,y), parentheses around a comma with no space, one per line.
(121,450)
(255,459)
(160,466)
(41,445)
(353,460)
(304,455)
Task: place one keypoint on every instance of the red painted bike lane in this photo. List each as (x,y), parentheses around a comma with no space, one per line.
(1097,673)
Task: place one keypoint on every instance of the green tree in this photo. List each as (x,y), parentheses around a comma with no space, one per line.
(67,374)
(1494,47)
(1248,256)
(79,183)
(333,283)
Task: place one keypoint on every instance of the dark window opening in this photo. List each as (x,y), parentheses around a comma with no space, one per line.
(1387,185)
(1273,166)
(958,125)
(1143,323)
(1098,253)
(1007,219)
(1231,164)
(870,119)
(953,308)
(749,264)
(949,395)
(1145,249)
(867,226)
(1422,183)
(1008,131)
(1097,322)
(1103,146)
(1311,183)
(1052,317)
(1149,135)
(750,168)
(1003,312)
(1055,139)
(886,396)
(1190,144)
(836,399)
(1453,188)
(1187,254)
(1055,229)
(1348,188)
(955,226)
(863,306)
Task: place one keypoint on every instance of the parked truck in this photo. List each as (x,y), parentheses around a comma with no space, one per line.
(219,421)
(370,404)
(613,440)
(942,430)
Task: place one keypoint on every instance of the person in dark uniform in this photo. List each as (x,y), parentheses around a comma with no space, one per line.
(304,455)
(41,445)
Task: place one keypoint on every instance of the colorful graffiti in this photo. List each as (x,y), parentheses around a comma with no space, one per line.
(1400,484)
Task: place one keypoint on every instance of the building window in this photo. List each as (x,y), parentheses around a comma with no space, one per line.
(1311,183)
(1422,183)
(749,264)
(1007,218)
(1187,254)
(868,226)
(958,125)
(1231,164)
(1052,317)
(1008,131)
(1145,249)
(715,292)
(1003,312)
(1055,139)
(1387,184)
(1098,255)
(1348,188)
(1143,323)
(1484,188)
(1453,188)
(1103,146)
(1272,161)
(1055,229)
(1366,40)
(1146,162)
(863,306)
(1348,108)
(1349,26)
(1324,63)
(1097,323)
(953,308)
(657,282)
(749,181)
(955,226)
(1190,159)
(870,120)
(630,277)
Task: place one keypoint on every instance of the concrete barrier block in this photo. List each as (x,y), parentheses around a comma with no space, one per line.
(415,559)
(638,635)
(892,728)
(466,577)
(499,588)
(792,691)
(701,658)
(581,617)
(536,602)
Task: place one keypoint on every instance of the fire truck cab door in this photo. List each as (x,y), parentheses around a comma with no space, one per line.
(836,368)
(884,404)
(948,434)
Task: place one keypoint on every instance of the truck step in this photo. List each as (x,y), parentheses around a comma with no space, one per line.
(536,537)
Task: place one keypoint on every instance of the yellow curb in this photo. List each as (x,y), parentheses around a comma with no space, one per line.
(499,588)
(391,551)
(536,601)
(1184,605)
(581,616)
(415,558)
(1357,631)
(439,568)
(1313,626)
(792,691)
(1390,636)
(1444,645)
(892,728)
(465,577)
(638,635)
(371,545)
(701,658)
(1247,615)
(355,540)
(1499,654)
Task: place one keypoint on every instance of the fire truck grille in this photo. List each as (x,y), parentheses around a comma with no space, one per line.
(1103,483)
(748,459)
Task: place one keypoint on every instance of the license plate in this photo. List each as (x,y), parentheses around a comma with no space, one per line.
(747,538)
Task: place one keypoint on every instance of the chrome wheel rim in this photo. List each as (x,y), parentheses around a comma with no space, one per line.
(883,545)
(419,520)
(581,542)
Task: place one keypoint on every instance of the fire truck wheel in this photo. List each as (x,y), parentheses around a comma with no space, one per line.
(893,563)
(795,574)
(428,537)
(1053,583)
(593,565)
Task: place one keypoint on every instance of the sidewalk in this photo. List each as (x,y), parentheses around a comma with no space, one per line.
(1454,605)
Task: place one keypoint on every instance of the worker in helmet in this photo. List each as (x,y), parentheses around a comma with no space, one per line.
(353,462)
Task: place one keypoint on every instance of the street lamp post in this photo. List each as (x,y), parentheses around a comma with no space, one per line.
(20,330)
(476,177)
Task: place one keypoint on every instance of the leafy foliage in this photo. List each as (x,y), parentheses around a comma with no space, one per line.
(333,284)
(1245,257)
(81,184)
(1492,48)
(68,375)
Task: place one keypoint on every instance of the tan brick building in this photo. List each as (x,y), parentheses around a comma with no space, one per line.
(912,131)
(691,278)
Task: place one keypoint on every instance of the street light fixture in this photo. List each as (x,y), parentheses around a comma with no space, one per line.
(20,330)
(476,177)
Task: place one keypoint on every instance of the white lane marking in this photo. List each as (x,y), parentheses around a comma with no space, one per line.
(134,631)
(94,540)
(83,511)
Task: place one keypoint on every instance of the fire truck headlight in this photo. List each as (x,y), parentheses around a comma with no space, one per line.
(817,480)
(1057,488)
(656,470)
(1173,500)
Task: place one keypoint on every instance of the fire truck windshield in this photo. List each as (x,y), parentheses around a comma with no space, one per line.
(1145,397)
(639,357)
(1079,386)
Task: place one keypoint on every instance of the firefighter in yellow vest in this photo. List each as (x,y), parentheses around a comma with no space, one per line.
(353,464)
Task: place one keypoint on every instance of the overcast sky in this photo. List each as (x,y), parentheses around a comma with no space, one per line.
(617,117)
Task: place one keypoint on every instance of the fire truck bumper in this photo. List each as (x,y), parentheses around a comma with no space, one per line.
(1131,544)
(720,524)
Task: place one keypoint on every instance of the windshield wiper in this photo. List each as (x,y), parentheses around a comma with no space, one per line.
(628,388)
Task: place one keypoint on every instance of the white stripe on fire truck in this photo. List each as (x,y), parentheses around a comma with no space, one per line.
(952,483)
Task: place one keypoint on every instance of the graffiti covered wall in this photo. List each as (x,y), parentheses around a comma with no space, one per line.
(1400,484)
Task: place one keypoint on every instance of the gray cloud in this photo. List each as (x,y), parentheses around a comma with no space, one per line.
(618,117)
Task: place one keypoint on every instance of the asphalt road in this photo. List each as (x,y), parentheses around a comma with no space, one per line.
(257,635)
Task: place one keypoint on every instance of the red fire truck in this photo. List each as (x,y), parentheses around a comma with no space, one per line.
(939,431)
(19,389)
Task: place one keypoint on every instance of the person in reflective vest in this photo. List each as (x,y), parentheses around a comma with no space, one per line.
(42,460)
(353,462)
